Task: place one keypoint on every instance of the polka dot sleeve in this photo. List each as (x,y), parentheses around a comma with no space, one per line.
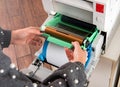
(72,73)
(5,37)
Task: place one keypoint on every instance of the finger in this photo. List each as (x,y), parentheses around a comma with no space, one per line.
(29,38)
(76,46)
(79,54)
(35,43)
(34,40)
(32,43)
(69,53)
(38,38)
(35,30)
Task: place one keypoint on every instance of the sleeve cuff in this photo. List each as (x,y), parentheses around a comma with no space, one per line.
(5,38)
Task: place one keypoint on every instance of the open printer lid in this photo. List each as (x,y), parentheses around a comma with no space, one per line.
(70,8)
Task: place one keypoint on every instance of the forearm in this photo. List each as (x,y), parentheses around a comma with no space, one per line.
(5,38)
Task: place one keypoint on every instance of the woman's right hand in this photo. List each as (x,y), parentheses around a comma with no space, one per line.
(77,54)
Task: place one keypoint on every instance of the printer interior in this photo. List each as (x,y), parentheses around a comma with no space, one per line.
(63,27)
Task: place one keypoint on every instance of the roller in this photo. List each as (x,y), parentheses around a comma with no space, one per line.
(78,23)
(61,35)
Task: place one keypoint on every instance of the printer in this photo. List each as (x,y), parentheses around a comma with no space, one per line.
(90,22)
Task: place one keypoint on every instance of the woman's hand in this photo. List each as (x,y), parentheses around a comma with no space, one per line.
(29,35)
(76,55)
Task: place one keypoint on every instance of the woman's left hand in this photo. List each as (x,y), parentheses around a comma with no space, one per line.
(29,35)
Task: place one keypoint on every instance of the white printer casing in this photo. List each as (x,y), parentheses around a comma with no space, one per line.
(102,13)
